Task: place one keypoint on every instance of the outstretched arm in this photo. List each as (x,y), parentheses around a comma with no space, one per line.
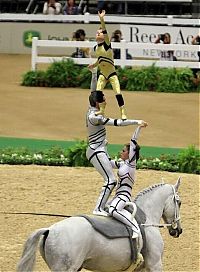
(121,123)
(101,120)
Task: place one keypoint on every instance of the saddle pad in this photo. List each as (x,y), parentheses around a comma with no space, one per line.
(112,228)
(109,226)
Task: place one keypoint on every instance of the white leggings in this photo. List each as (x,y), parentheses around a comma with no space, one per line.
(101,162)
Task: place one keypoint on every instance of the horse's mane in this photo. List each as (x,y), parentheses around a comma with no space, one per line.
(148,189)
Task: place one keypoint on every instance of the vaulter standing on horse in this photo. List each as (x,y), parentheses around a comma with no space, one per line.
(97,147)
(105,62)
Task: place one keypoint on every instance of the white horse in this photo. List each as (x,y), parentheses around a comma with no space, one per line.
(73,243)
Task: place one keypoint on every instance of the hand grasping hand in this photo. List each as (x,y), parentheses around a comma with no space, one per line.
(144,124)
(101,13)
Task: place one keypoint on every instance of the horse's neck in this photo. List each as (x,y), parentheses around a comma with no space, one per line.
(152,201)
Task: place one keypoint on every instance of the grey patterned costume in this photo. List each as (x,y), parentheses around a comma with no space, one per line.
(126,175)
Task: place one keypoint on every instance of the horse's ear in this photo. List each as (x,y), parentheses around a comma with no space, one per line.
(178,182)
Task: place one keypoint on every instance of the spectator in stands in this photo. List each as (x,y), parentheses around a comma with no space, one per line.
(196,41)
(120,8)
(70,8)
(117,37)
(82,52)
(165,39)
(196,71)
(52,7)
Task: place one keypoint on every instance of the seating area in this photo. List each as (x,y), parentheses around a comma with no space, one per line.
(179,8)
(21,6)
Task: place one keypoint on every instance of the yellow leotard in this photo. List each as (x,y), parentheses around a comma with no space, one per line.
(105,61)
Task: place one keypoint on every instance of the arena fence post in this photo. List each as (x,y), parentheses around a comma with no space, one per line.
(34,53)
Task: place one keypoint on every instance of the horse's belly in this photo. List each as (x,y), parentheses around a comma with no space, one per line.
(109,255)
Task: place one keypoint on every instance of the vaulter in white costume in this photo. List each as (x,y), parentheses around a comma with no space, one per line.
(126,175)
(97,150)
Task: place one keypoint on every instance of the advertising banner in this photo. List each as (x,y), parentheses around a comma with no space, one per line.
(149,34)
(16,37)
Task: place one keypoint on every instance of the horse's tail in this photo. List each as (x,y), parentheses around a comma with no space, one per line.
(27,261)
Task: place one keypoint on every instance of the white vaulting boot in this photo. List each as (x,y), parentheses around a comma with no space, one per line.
(102,200)
(140,258)
(100,213)
(134,207)
(135,235)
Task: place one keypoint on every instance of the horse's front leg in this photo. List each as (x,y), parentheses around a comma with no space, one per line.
(154,250)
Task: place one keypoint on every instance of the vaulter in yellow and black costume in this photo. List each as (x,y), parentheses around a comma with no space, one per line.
(105,62)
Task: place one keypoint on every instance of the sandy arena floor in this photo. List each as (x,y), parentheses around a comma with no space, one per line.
(59,114)
(46,113)
(72,191)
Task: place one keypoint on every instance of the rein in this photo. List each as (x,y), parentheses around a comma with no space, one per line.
(34,213)
(157,225)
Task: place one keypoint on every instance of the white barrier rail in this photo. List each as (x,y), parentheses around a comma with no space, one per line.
(87,18)
(123,45)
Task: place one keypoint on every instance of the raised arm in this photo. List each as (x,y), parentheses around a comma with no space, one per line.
(103,26)
(93,84)
(133,141)
(45,8)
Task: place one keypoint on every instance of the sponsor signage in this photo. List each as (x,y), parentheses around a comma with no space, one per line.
(28,36)
(149,34)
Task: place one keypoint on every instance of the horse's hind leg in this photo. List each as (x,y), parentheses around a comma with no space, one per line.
(60,263)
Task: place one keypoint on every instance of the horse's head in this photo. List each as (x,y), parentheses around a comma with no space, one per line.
(171,212)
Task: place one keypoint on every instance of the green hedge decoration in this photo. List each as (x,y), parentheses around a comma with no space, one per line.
(68,74)
(187,161)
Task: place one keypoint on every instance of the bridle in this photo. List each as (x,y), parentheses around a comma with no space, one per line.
(177,218)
